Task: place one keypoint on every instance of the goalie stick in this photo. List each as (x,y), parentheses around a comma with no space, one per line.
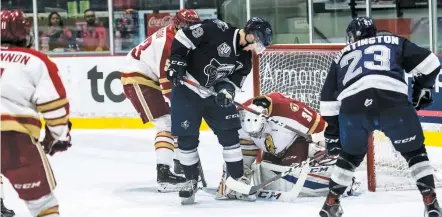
(285,196)
(247,108)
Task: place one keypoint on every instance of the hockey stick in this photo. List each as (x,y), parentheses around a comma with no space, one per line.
(252,189)
(247,108)
(203,178)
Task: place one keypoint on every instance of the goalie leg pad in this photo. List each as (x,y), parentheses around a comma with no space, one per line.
(224,192)
(146,99)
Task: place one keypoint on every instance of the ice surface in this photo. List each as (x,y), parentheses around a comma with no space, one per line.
(111,173)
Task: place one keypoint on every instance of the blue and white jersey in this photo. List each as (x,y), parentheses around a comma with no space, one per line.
(368,76)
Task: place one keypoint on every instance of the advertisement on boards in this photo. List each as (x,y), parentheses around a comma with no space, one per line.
(93,86)
(156,21)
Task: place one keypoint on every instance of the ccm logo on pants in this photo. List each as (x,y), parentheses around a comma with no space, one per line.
(405,140)
(232,116)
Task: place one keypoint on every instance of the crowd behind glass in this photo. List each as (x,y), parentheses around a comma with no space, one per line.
(73,27)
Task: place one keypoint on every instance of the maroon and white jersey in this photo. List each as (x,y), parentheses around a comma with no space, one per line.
(146,62)
(30,85)
(276,139)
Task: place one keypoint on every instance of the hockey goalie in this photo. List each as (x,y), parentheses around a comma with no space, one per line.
(283,149)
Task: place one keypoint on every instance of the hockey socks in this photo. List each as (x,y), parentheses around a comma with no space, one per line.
(164,148)
(234,160)
(343,172)
(340,179)
(422,171)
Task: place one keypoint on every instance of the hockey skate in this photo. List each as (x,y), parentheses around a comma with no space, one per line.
(6,212)
(168,181)
(432,208)
(177,167)
(332,206)
(188,191)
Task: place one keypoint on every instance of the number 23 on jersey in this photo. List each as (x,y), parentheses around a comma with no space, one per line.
(381,61)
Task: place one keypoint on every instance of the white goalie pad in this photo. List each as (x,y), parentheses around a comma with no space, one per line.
(316,183)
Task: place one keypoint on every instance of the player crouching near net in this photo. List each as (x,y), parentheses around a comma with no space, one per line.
(146,86)
(282,148)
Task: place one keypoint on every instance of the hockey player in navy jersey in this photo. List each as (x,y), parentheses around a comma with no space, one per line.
(365,91)
(217,56)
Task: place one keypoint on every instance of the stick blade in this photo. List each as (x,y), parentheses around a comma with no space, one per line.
(240,187)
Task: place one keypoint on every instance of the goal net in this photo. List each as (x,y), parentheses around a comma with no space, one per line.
(299,71)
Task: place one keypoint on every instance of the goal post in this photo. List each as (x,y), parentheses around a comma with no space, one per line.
(299,71)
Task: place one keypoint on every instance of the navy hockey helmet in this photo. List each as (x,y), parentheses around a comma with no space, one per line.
(360,28)
(261,29)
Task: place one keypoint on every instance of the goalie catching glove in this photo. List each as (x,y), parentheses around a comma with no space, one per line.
(51,145)
(175,70)
(421,97)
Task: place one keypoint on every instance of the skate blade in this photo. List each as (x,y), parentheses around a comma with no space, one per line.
(168,187)
(188,200)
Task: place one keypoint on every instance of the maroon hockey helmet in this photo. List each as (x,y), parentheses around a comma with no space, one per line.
(16,28)
(186,17)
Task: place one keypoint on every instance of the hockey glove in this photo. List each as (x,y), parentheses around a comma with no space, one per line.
(421,97)
(175,70)
(52,146)
(226,93)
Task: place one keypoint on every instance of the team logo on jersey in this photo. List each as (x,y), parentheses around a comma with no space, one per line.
(197,31)
(294,107)
(222,25)
(216,71)
(224,50)
(270,145)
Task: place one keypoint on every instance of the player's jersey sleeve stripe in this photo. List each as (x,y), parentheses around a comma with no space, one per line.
(427,66)
(329,108)
(381,82)
(184,40)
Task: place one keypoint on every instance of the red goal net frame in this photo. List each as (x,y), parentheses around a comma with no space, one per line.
(284,51)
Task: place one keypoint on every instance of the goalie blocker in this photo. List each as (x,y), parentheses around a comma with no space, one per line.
(283,149)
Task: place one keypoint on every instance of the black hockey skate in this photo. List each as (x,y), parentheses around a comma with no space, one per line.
(188,191)
(168,181)
(177,167)
(432,208)
(6,212)
(332,206)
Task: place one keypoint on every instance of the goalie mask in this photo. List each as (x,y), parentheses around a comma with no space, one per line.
(252,124)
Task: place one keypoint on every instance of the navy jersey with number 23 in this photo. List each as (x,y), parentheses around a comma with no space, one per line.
(368,75)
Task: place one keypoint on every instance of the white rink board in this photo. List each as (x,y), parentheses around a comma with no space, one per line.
(77,74)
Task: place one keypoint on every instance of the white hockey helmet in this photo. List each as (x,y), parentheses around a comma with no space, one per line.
(253,124)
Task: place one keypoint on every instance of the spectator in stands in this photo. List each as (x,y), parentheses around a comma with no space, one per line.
(56,36)
(93,34)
